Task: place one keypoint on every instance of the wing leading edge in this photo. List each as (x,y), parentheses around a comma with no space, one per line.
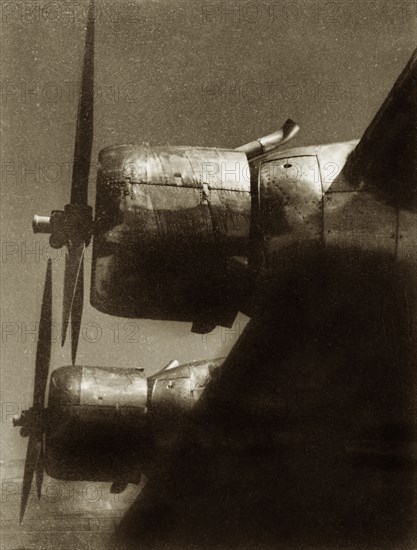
(385,158)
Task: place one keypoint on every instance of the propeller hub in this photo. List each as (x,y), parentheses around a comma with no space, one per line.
(41,224)
(31,421)
(74,224)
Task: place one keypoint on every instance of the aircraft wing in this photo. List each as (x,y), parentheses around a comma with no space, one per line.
(385,158)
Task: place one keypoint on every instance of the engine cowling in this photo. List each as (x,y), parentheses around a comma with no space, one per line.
(106,423)
(168,222)
(96,427)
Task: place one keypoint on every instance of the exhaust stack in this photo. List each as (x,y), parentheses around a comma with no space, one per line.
(263,145)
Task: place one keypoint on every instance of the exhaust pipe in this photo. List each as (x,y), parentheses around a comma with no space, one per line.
(263,145)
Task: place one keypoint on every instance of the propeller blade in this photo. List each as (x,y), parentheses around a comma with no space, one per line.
(77,310)
(43,350)
(74,261)
(73,280)
(40,469)
(85,118)
(32,455)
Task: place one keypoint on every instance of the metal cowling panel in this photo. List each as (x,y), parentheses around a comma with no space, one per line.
(166,223)
(177,166)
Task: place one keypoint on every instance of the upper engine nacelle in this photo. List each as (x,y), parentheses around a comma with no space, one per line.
(167,223)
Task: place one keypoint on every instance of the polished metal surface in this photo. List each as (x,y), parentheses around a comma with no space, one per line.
(99,386)
(175,166)
(178,389)
(171,396)
(290,196)
(351,216)
(113,387)
(167,220)
(96,414)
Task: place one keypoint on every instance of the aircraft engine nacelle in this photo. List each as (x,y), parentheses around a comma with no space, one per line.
(169,223)
(96,422)
(104,423)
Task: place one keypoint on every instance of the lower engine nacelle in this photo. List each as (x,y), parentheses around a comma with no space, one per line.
(103,423)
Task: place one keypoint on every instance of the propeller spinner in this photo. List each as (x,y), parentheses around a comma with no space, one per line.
(32,421)
(72,227)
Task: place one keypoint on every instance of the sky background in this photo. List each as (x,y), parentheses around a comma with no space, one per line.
(218,73)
